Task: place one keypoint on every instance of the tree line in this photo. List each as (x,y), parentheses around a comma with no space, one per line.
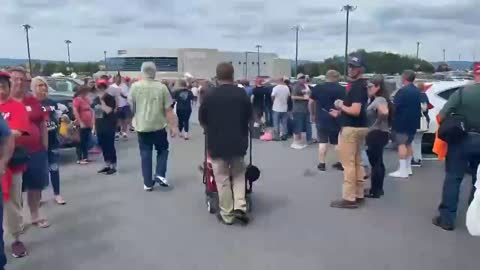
(377,62)
(49,68)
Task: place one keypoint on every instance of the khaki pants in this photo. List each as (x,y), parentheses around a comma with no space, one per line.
(12,209)
(349,150)
(230,179)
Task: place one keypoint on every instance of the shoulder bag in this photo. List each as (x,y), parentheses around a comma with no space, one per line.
(454,128)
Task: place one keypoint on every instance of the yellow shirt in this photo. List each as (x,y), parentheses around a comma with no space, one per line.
(149,100)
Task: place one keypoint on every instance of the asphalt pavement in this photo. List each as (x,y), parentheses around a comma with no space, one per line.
(110,222)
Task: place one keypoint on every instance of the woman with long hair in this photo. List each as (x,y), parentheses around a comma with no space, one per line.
(16,116)
(377,137)
(83,118)
(184,99)
(417,139)
(39,87)
(104,106)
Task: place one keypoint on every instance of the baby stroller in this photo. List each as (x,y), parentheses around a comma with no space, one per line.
(252,173)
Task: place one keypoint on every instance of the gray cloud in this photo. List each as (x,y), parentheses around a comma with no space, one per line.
(393,25)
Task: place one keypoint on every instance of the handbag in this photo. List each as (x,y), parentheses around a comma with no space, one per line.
(20,157)
(473,212)
(454,128)
(423,124)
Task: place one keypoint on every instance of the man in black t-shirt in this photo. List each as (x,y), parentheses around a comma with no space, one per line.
(225,114)
(321,102)
(352,136)
(105,126)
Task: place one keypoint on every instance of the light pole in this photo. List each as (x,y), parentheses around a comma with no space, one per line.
(348,9)
(27,27)
(105,60)
(258,58)
(297,29)
(68,42)
(418,48)
(246,64)
(444,55)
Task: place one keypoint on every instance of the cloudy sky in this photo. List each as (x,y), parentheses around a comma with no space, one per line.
(97,25)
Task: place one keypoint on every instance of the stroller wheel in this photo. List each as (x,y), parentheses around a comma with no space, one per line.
(249,203)
(211,205)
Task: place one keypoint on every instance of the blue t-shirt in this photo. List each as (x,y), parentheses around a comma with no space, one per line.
(324,96)
(184,98)
(406,118)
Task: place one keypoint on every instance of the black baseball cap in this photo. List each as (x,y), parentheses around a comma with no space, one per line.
(356,60)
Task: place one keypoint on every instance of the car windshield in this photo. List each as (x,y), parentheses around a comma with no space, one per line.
(62,85)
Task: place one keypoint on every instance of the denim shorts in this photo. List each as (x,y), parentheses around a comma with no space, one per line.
(36,176)
(300,122)
(124,112)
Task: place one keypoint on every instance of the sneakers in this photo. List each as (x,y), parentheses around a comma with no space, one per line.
(111,171)
(399,174)
(241,216)
(338,166)
(322,167)
(416,163)
(223,221)
(298,146)
(124,135)
(18,249)
(437,221)
(148,189)
(104,170)
(162,181)
(344,204)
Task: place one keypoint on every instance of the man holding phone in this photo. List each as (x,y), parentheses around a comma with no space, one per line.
(321,102)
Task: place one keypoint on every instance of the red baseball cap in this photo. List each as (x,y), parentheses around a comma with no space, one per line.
(100,82)
(127,79)
(4,74)
(476,69)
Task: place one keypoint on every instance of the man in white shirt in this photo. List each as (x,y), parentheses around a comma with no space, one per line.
(280,95)
(120,91)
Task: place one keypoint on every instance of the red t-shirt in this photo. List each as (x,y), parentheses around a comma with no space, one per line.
(16,115)
(36,116)
(82,105)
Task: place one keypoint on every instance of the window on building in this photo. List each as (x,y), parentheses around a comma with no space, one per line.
(135,63)
(264,63)
(239,63)
(253,63)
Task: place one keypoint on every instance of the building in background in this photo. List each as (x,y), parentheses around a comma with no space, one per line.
(200,63)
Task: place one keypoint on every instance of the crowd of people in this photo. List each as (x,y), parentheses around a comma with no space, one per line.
(358,120)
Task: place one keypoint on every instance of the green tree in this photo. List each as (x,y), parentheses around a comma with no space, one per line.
(49,68)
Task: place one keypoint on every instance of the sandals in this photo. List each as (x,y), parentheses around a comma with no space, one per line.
(59,200)
(41,223)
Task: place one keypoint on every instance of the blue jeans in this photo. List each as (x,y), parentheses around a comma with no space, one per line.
(268,117)
(146,142)
(3,259)
(82,148)
(53,157)
(459,158)
(183,120)
(280,123)
(302,124)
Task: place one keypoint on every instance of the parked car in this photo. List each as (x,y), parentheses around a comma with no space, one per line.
(61,90)
(438,93)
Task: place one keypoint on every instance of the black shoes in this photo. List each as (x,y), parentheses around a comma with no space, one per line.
(338,166)
(373,195)
(344,204)
(104,170)
(322,167)
(107,171)
(241,216)
(437,221)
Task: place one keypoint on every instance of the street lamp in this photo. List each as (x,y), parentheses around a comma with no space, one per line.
(258,58)
(105,60)
(297,29)
(348,9)
(418,48)
(68,42)
(27,27)
(444,55)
